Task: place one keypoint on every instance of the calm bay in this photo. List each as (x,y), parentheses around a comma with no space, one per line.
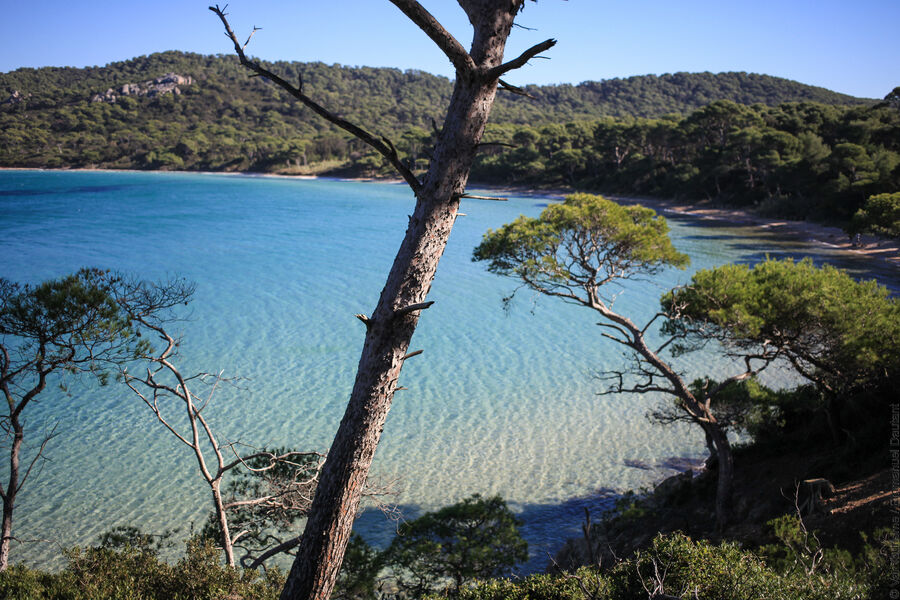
(500,402)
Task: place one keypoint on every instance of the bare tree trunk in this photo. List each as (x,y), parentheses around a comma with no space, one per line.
(9,494)
(222,517)
(391,327)
(389,330)
(387,340)
(724,473)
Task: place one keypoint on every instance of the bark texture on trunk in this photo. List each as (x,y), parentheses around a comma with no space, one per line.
(391,326)
(9,494)
(724,475)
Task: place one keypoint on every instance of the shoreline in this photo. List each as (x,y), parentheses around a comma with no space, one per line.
(884,250)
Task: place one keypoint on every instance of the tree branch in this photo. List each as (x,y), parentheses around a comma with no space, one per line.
(444,40)
(413,308)
(474,197)
(282,547)
(508,87)
(281,458)
(385,150)
(34,460)
(520,61)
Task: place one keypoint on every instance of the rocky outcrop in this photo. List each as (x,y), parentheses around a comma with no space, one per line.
(16,97)
(167,84)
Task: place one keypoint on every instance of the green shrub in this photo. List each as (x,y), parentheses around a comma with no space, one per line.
(477,538)
(21,583)
(880,215)
(585,584)
(874,562)
(677,565)
(130,573)
(704,571)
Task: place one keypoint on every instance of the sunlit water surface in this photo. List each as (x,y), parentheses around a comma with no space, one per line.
(500,402)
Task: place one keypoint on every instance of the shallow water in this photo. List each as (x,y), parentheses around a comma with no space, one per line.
(499,403)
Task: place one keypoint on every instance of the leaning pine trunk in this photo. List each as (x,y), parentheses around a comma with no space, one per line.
(724,473)
(319,556)
(715,434)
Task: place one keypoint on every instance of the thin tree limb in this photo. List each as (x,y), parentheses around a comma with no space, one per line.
(444,40)
(519,62)
(282,547)
(34,460)
(385,150)
(508,87)
(474,197)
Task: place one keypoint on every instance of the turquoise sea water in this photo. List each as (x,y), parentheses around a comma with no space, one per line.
(499,403)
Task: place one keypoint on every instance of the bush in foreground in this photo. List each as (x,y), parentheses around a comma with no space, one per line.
(676,566)
(137,573)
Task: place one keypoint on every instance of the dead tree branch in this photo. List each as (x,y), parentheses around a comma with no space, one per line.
(444,40)
(519,61)
(508,87)
(387,150)
(475,197)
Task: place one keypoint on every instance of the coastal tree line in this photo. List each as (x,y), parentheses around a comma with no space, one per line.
(798,160)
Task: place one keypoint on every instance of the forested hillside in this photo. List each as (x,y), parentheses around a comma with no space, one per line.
(798,160)
(224,120)
(734,137)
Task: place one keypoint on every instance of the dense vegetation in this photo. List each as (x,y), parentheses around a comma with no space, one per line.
(125,564)
(880,215)
(389,99)
(676,566)
(795,159)
(793,567)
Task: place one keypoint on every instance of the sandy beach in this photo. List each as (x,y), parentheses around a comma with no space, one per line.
(835,238)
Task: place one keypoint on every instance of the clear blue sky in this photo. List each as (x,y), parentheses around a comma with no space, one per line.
(849,47)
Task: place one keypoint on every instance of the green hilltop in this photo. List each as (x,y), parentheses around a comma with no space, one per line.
(736,138)
(223,120)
